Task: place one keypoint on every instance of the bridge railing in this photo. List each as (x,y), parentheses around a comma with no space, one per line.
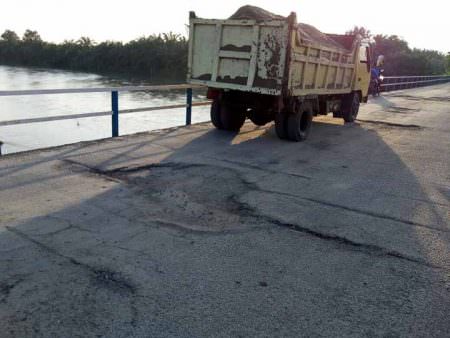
(390,83)
(404,82)
(115,111)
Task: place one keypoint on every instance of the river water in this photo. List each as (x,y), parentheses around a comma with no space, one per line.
(23,137)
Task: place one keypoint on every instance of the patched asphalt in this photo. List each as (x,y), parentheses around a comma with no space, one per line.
(194,232)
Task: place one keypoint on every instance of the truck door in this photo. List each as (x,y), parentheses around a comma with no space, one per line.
(363,70)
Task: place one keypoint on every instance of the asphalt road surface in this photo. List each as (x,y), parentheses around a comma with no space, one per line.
(194,232)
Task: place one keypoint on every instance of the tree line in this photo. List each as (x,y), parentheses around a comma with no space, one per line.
(400,59)
(161,56)
(164,56)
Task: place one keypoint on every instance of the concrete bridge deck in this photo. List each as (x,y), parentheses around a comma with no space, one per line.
(193,232)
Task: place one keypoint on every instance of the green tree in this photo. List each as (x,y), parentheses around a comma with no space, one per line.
(10,36)
(364,32)
(85,41)
(400,59)
(31,36)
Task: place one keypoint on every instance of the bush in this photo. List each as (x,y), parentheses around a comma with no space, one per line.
(163,57)
(152,57)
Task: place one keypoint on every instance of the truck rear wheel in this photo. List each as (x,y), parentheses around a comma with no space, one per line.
(281,125)
(226,116)
(299,124)
(232,117)
(350,107)
(259,118)
(215,114)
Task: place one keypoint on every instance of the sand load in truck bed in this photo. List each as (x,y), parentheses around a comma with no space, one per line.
(254,13)
(308,34)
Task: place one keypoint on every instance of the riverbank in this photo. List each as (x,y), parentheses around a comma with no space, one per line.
(162,56)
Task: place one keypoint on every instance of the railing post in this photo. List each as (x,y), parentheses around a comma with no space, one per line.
(115,113)
(188,106)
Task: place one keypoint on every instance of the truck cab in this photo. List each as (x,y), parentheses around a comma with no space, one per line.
(362,75)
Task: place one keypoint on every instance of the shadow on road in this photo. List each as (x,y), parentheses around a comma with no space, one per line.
(197,232)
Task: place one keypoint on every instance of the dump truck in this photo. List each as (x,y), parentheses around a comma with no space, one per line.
(267,67)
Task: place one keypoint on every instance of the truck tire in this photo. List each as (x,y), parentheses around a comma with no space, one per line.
(299,124)
(232,117)
(350,106)
(259,118)
(281,125)
(215,114)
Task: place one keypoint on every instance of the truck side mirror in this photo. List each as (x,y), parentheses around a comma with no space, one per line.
(380,60)
(369,61)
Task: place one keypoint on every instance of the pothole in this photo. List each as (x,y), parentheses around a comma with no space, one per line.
(386,124)
(200,197)
(113,280)
(401,110)
(421,98)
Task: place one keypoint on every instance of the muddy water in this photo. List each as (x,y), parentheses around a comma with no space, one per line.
(38,135)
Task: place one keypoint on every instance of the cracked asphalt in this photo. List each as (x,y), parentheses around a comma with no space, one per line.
(194,232)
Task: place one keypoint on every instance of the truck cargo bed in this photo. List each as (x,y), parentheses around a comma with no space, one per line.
(319,64)
(238,54)
(269,54)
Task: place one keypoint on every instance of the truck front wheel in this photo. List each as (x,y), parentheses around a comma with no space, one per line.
(350,107)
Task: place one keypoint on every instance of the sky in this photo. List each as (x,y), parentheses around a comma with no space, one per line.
(424,24)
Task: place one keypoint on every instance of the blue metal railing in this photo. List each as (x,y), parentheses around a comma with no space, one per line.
(405,82)
(115,111)
(390,83)
(188,106)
